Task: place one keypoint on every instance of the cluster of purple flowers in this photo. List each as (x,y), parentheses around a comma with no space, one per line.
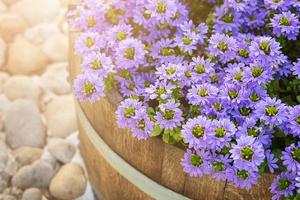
(207,85)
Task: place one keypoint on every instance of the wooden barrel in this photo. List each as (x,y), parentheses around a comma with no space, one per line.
(122,168)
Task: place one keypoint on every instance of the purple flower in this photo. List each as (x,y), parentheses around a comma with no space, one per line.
(195,163)
(257,73)
(296,68)
(227,20)
(247,151)
(170,71)
(202,69)
(220,166)
(194,132)
(291,157)
(127,111)
(243,176)
(130,54)
(271,161)
(222,46)
(271,111)
(89,87)
(265,49)
(170,115)
(160,90)
(186,42)
(162,10)
(202,94)
(97,63)
(237,5)
(87,43)
(293,122)
(220,133)
(279,4)
(286,24)
(143,125)
(283,186)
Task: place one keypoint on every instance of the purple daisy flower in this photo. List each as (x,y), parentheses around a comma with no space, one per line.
(286,24)
(127,111)
(87,43)
(266,49)
(197,33)
(296,68)
(247,151)
(201,94)
(220,133)
(162,10)
(143,126)
(130,54)
(293,122)
(291,157)
(222,46)
(250,127)
(194,132)
(170,115)
(271,161)
(163,48)
(220,166)
(89,87)
(271,111)
(202,69)
(243,176)
(186,42)
(279,4)
(283,186)
(160,90)
(170,71)
(195,162)
(237,5)
(97,63)
(227,20)
(254,17)
(257,74)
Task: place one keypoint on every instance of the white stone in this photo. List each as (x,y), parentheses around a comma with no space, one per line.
(3,7)
(60,115)
(55,79)
(23,125)
(88,195)
(41,32)
(3,156)
(4,180)
(11,165)
(38,11)
(68,183)
(11,24)
(27,155)
(9,2)
(21,87)
(56,47)
(38,175)
(4,104)
(62,150)
(32,194)
(3,49)
(25,58)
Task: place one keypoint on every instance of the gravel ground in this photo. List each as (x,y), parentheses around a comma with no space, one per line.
(39,156)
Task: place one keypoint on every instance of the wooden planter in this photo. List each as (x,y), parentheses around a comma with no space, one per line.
(122,168)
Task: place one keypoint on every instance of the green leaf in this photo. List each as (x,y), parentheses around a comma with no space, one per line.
(298,98)
(262,168)
(277,153)
(279,133)
(156,131)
